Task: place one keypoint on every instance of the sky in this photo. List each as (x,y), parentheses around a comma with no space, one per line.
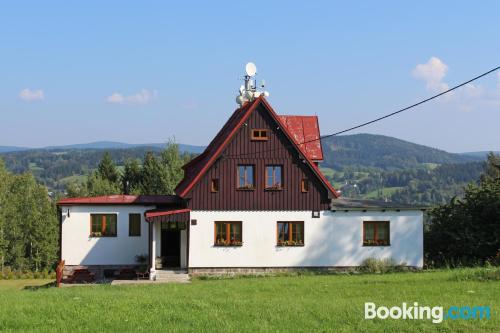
(150,71)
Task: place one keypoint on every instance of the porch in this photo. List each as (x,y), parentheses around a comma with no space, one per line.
(168,242)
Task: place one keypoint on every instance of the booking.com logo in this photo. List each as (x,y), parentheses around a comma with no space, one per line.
(416,312)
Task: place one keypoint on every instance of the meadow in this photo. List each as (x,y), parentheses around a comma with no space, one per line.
(300,303)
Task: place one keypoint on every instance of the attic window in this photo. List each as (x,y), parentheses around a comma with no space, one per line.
(304,185)
(259,135)
(214,185)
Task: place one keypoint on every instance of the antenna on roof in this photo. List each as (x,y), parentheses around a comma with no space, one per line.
(248,92)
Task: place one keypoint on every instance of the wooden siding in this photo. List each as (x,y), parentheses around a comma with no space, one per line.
(276,150)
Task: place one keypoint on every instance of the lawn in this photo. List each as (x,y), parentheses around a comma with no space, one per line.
(308,303)
(386,192)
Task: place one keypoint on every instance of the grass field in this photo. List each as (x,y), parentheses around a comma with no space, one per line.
(308,303)
(386,192)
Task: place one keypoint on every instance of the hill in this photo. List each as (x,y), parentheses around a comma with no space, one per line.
(369,150)
(361,166)
(104,145)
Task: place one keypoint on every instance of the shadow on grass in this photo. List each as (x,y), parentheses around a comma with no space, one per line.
(41,286)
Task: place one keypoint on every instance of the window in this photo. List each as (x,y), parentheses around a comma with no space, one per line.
(274,179)
(214,185)
(228,234)
(304,185)
(376,233)
(245,177)
(259,135)
(134,224)
(291,233)
(103,225)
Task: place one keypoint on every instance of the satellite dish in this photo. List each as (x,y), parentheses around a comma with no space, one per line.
(251,69)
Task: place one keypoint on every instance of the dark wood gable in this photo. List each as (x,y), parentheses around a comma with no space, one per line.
(276,150)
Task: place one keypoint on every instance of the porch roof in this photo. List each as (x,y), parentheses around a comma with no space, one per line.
(166,214)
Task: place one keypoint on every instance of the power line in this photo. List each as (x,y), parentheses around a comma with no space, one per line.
(380,118)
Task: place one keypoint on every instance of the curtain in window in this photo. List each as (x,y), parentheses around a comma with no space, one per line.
(369,231)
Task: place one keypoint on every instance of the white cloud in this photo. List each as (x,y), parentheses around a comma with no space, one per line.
(29,95)
(433,73)
(142,97)
(466,98)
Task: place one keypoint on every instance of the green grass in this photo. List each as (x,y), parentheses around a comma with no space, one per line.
(75,178)
(386,192)
(308,303)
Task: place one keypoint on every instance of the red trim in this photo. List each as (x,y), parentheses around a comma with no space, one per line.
(166,212)
(248,109)
(220,148)
(121,200)
(308,160)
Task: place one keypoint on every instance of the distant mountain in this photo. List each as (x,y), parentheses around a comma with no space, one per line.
(104,145)
(369,150)
(479,154)
(8,149)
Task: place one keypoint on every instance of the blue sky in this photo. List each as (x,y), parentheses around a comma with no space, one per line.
(148,71)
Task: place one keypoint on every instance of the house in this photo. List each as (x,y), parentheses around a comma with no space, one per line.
(254,200)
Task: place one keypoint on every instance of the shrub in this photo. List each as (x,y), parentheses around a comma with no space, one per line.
(388,265)
(487,273)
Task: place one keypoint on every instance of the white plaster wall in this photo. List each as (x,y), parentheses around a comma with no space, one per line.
(80,249)
(334,239)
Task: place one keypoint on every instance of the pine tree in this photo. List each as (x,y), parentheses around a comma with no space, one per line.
(107,169)
(151,182)
(171,163)
(132,177)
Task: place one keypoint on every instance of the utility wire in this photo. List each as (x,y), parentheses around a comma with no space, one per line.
(380,118)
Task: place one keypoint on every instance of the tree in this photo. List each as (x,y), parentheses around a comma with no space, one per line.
(107,169)
(151,182)
(467,231)
(97,185)
(172,163)
(132,177)
(4,185)
(492,169)
(28,223)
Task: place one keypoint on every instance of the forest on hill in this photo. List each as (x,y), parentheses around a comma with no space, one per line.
(361,165)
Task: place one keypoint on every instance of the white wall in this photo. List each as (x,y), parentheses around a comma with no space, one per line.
(80,249)
(334,239)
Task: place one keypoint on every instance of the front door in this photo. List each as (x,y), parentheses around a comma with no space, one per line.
(171,247)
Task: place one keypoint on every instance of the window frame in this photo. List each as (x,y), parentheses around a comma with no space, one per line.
(290,242)
(259,136)
(376,241)
(273,188)
(227,242)
(304,185)
(129,224)
(102,233)
(245,187)
(214,185)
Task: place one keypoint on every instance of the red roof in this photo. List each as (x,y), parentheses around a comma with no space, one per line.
(122,200)
(195,169)
(164,212)
(305,132)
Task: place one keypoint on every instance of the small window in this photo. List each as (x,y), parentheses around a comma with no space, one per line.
(246,179)
(103,225)
(274,179)
(291,233)
(134,225)
(376,233)
(214,185)
(228,234)
(259,135)
(304,185)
